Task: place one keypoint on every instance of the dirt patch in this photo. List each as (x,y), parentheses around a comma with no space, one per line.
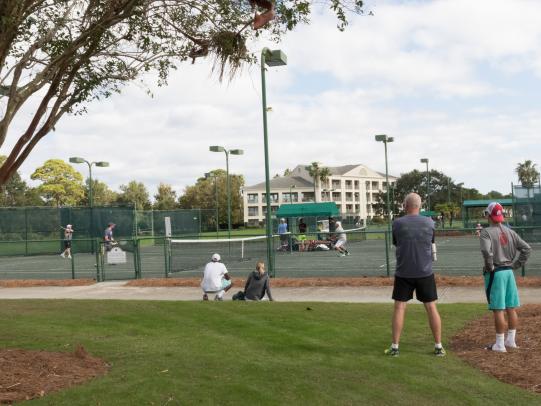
(521,366)
(32,374)
(475,281)
(26,283)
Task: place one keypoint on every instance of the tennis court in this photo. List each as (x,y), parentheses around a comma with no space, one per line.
(458,255)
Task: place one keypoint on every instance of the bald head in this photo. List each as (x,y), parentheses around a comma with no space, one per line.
(412,203)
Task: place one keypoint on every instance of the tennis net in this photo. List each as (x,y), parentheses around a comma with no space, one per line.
(188,255)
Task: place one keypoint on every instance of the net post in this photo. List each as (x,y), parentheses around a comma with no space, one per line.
(241,249)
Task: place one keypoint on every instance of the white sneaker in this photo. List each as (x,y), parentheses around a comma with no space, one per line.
(62,255)
(511,345)
(495,348)
(69,256)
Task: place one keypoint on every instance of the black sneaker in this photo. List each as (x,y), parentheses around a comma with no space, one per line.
(439,352)
(392,352)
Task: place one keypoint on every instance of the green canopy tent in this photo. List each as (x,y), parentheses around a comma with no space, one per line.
(472,210)
(310,212)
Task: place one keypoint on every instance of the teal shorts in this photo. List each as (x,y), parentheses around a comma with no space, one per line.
(502,293)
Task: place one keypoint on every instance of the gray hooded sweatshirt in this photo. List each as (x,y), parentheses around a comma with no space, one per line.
(256,286)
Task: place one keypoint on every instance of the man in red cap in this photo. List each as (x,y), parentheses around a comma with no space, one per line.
(500,246)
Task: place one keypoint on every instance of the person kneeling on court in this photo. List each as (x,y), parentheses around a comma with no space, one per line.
(216,279)
(257,284)
(413,236)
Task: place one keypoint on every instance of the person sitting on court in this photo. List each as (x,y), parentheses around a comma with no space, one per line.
(341,239)
(216,279)
(257,284)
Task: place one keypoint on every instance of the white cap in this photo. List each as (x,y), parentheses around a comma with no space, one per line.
(68,226)
(215,257)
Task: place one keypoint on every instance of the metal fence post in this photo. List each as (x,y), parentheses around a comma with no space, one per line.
(387,254)
(98,259)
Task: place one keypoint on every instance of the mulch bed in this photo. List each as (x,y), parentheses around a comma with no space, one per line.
(29,374)
(474,281)
(521,366)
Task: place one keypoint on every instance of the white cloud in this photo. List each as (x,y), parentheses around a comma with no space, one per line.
(405,72)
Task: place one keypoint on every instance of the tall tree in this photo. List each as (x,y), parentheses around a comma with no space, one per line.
(102,195)
(166,198)
(320,175)
(528,175)
(14,192)
(61,183)
(202,195)
(134,193)
(59,55)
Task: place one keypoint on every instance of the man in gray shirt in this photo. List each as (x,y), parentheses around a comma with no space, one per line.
(413,237)
(500,246)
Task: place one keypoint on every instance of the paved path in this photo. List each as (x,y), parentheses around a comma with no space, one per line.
(117,290)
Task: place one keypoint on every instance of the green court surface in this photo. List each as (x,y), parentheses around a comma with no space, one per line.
(458,255)
(239,353)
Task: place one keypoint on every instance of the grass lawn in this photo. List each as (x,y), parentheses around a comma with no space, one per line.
(231,353)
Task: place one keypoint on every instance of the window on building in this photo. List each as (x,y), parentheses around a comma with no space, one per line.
(293,198)
(349,197)
(307,196)
(252,198)
(336,184)
(356,184)
(349,184)
(253,211)
(273,198)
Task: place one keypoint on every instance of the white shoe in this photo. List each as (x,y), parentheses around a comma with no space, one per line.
(511,345)
(69,256)
(62,255)
(495,348)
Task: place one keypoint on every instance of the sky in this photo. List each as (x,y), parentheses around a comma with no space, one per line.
(454,81)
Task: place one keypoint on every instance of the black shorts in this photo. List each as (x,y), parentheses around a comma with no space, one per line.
(425,289)
(67,244)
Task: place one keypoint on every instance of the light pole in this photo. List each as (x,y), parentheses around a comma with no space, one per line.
(425,161)
(215,178)
(268,58)
(217,148)
(448,190)
(291,194)
(385,139)
(101,164)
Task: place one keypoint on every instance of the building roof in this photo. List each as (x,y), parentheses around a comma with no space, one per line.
(284,182)
(341,170)
(325,209)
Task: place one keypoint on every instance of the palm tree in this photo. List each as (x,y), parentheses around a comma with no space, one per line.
(527,174)
(319,174)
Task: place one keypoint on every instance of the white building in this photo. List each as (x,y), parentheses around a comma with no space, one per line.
(352,187)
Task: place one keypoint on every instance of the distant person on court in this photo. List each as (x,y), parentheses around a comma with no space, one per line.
(478,229)
(341,239)
(500,246)
(108,236)
(413,237)
(258,284)
(216,279)
(302,234)
(68,236)
(282,232)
